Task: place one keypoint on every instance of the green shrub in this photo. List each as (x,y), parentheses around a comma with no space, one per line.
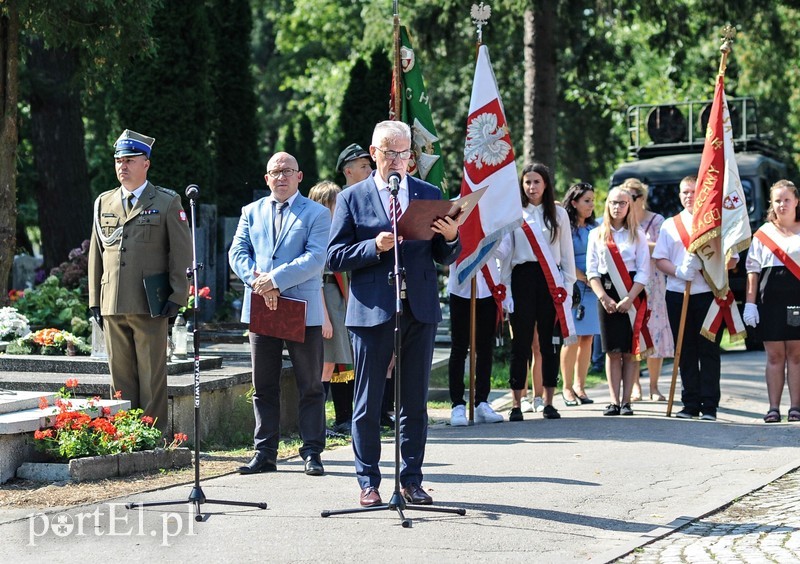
(52,305)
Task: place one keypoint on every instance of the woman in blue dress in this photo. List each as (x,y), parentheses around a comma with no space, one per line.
(575,359)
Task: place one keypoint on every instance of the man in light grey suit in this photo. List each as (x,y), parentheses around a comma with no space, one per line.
(279,249)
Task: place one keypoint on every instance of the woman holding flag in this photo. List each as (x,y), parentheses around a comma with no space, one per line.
(774,260)
(618,268)
(540,264)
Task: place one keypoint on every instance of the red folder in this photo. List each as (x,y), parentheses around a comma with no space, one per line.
(416,221)
(287,322)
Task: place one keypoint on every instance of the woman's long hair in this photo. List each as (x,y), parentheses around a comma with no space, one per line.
(575,193)
(548,197)
(630,224)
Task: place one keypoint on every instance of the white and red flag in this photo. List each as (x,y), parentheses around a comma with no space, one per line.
(488,161)
(720,224)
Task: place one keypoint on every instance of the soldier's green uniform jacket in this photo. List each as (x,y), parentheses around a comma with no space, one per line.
(153,239)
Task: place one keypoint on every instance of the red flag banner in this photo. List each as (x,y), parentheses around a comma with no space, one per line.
(720,224)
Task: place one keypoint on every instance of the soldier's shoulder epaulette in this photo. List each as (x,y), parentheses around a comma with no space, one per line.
(107,192)
(167,191)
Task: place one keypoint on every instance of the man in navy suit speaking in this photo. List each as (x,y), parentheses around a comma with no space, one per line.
(362,243)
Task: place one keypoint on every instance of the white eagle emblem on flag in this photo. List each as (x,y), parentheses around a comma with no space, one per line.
(485,142)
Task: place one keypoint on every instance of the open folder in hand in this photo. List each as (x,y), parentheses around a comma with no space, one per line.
(288,322)
(416,221)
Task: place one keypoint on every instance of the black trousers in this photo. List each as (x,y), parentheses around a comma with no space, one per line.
(267,357)
(533,308)
(485,318)
(700,358)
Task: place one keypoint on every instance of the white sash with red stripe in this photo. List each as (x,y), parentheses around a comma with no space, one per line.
(769,235)
(555,280)
(638,314)
(720,310)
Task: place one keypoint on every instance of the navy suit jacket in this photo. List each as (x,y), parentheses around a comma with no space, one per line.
(357,220)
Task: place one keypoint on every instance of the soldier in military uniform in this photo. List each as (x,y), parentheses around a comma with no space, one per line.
(139,230)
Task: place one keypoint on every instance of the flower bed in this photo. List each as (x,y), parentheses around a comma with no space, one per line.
(49,342)
(94,431)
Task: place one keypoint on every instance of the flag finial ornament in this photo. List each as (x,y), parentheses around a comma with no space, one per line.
(728,36)
(480,17)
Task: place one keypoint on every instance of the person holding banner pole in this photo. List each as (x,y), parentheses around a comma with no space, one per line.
(539,263)
(697,357)
(618,268)
(774,261)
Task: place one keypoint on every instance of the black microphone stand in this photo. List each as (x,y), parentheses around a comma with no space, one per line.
(397,277)
(196,496)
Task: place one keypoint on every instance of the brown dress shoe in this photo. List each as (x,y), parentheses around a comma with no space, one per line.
(415,494)
(370,497)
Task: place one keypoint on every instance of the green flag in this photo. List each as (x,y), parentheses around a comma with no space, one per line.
(427,163)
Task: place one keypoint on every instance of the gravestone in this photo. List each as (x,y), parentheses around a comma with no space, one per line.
(23,272)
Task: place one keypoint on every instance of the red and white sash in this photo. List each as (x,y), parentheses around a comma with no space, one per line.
(720,310)
(498,293)
(638,314)
(769,235)
(555,280)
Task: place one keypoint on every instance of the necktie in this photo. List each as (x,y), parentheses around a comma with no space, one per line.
(278,211)
(129,203)
(396,212)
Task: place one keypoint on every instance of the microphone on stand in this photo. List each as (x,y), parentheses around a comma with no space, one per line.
(192,191)
(394,183)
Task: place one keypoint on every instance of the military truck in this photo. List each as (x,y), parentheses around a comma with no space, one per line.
(666,144)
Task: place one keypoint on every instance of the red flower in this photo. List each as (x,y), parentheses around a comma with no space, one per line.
(147,420)
(71,383)
(118,394)
(41,435)
(104,426)
(106,411)
(43,403)
(181,437)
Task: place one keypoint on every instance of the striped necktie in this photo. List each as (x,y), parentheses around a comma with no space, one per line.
(395,210)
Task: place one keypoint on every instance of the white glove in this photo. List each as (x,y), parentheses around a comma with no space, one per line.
(750,316)
(690,266)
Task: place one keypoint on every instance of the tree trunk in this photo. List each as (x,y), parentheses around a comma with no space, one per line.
(9,83)
(539,49)
(62,186)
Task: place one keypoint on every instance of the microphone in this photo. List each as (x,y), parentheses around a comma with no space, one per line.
(394,182)
(192,191)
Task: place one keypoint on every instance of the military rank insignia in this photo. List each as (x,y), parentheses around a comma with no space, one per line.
(182,215)
(148,212)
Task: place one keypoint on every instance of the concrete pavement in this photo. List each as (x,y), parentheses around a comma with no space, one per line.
(583,488)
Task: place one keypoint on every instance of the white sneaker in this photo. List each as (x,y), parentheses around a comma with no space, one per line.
(485,414)
(525,406)
(538,404)
(458,417)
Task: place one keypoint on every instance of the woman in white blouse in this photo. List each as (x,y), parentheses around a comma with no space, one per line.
(618,230)
(533,305)
(774,260)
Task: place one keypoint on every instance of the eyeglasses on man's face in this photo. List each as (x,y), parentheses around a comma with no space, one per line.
(392,155)
(285,172)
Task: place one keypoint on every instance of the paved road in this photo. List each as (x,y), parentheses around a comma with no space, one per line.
(584,488)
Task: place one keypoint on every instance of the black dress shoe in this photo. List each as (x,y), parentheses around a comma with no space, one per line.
(314,466)
(415,494)
(261,462)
